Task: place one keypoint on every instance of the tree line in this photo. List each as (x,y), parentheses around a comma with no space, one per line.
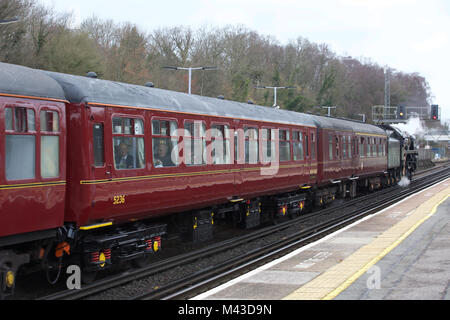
(44,39)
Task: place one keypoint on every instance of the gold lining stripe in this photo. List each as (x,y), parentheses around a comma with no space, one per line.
(185,174)
(32,185)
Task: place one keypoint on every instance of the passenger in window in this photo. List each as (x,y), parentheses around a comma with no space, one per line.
(162,156)
(123,159)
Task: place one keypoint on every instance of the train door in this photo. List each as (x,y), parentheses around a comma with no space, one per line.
(355,154)
(239,157)
(313,155)
(311,170)
(102,169)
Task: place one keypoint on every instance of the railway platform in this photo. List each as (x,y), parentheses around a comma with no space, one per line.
(401,252)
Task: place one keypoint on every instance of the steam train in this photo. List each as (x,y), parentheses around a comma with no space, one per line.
(96,172)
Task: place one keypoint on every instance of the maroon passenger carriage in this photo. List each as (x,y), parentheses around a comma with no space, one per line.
(32,167)
(115,195)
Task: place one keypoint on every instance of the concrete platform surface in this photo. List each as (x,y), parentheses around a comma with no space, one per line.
(402,252)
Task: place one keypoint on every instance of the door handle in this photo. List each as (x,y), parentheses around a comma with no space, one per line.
(108,171)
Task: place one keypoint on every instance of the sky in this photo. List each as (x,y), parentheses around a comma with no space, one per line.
(411,36)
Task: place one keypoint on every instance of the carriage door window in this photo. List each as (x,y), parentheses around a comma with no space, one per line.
(268,145)
(20,147)
(285,146)
(336,138)
(297,145)
(344,147)
(306,145)
(128,143)
(361,147)
(251,145)
(350,147)
(99,153)
(194,143)
(165,143)
(330,146)
(49,144)
(220,135)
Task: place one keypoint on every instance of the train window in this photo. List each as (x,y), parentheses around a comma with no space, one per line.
(20,152)
(128,143)
(194,143)
(330,146)
(361,147)
(20,148)
(31,122)
(251,145)
(313,146)
(336,141)
(98,145)
(49,121)
(8,119)
(220,136)
(49,156)
(306,145)
(349,143)
(297,145)
(165,143)
(344,147)
(20,119)
(268,145)
(285,145)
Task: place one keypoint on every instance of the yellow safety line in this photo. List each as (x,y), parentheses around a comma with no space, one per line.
(336,279)
(363,270)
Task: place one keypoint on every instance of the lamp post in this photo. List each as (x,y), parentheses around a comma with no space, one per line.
(329,108)
(190,71)
(274,92)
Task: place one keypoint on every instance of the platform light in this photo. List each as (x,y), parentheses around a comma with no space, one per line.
(275,93)
(190,71)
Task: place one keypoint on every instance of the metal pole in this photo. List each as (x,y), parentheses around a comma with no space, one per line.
(275,97)
(274,92)
(190,76)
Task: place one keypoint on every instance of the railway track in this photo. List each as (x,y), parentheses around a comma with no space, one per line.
(288,236)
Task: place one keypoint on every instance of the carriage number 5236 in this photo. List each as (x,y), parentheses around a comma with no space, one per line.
(119,200)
